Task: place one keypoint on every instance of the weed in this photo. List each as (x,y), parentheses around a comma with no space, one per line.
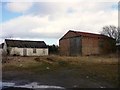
(63,63)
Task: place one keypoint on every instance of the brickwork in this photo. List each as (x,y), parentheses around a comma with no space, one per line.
(64,47)
(90,46)
(108,45)
(69,35)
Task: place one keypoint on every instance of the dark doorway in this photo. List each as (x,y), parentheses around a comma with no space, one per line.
(75,46)
(24,52)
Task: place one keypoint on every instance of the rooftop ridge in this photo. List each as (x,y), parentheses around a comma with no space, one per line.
(85,32)
(23,40)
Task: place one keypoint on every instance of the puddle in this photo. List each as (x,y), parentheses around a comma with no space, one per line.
(33,85)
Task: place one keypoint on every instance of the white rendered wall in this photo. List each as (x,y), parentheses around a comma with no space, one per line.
(39,52)
(17,51)
(29,51)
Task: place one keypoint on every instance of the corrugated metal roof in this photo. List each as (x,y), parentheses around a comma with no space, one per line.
(25,43)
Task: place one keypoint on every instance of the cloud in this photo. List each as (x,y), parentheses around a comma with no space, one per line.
(60,0)
(19,7)
(60,9)
(52,20)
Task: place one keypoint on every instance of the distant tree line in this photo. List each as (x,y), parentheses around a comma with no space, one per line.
(53,49)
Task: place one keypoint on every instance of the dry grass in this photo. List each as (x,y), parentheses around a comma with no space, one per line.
(102,68)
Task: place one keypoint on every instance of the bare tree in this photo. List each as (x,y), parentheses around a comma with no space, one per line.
(112,31)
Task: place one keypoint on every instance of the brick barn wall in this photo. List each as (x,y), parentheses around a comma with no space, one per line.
(64,47)
(64,44)
(107,45)
(90,46)
(69,34)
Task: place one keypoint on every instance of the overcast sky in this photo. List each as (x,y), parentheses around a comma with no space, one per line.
(49,21)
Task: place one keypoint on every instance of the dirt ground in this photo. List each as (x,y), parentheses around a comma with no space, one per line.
(68,72)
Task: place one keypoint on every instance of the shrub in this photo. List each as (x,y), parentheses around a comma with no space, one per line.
(37,59)
(50,59)
(16,55)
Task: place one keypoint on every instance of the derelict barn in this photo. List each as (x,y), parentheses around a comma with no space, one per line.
(82,43)
(25,48)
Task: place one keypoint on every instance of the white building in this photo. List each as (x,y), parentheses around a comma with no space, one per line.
(1,48)
(25,48)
